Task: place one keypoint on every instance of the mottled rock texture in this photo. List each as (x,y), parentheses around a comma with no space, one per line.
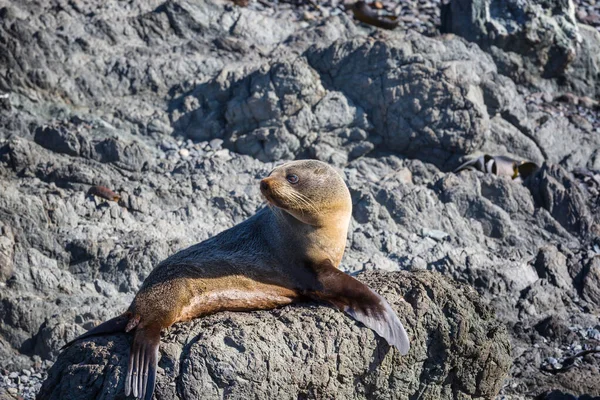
(545,31)
(181,106)
(459,350)
(531,41)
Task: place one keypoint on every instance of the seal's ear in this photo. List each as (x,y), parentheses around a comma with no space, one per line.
(360,302)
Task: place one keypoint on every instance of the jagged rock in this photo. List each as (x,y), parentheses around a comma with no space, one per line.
(570,153)
(58,139)
(545,32)
(591,283)
(551,264)
(531,41)
(554,189)
(458,349)
(555,328)
(5,394)
(405,93)
(180,106)
(416,91)
(7,244)
(582,74)
(560,395)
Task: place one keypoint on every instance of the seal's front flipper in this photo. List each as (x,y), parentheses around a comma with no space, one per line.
(114,325)
(143,360)
(359,301)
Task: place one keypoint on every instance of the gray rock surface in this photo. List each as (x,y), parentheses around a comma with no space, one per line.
(181,106)
(539,43)
(545,32)
(582,74)
(459,350)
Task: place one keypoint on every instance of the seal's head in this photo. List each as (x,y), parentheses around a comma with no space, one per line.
(311,191)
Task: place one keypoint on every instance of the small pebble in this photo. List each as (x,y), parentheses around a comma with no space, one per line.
(308,16)
(184,153)
(216,144)
(435,234)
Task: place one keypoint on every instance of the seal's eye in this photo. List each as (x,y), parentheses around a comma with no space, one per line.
(291,178)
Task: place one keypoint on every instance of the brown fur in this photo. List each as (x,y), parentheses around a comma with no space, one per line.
(104,193)
(183,288)
(284,253)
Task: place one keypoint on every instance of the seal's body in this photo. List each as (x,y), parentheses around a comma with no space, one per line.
(286,252)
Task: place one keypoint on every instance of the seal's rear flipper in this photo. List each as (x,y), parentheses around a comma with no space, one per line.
(362,303)
(143,360)
(117,324)
(383,320)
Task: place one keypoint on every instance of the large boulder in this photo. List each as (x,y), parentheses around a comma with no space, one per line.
(583,75)
(545,32)
(458,350)
(424,98)
(531,41)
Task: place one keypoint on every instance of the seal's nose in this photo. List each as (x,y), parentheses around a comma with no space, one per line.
(264,185)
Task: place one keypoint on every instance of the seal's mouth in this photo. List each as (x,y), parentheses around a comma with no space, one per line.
(269,191)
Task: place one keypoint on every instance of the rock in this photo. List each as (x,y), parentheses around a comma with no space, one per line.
(129,156)
(554,328)
(588,102)
(582,74)
(184,153)
(531,40)
(554,190)
(248,354)
(402,95)
(591,283)
(9,393)
(216,144)
(570,153)
(545,33)
(353,112)
(7,244)
(568,98)
(58,139)
(594,334)
(435,234)
(560,395)
(124,86)
(552,265)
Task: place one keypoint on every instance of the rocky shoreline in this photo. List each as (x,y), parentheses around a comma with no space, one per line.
(179,107)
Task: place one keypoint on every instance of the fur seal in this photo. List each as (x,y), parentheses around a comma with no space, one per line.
(287,252)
